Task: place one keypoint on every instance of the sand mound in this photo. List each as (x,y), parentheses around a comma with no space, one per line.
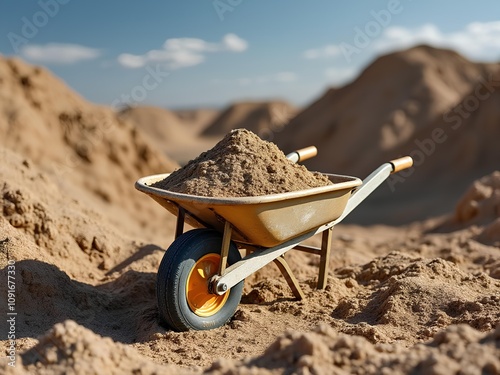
(391,110)
(61,222)
(82,144)
(168,133)
(71,263)
(198,119)
(159,125)
(47,289)
(71,346)
(398,93)
(467,237)
(458,349)
(480,205)
(397,285)
(241,165)
(263,118)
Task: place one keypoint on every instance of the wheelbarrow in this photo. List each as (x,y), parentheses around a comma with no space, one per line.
(200,278)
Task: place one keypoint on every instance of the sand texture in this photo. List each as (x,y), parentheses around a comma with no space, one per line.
(241,165)
(420,298)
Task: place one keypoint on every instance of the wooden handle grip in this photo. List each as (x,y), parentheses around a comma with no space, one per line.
(401,163)
(307,153)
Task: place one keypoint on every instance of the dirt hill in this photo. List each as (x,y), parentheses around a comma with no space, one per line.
(168,132)
(159,125)
(263,118)
(81,143)
(391,110)
(197,118)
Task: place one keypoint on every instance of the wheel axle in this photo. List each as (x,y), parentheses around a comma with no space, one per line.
(215,288)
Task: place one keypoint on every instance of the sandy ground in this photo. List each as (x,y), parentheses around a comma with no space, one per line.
(390,286)
(85,248)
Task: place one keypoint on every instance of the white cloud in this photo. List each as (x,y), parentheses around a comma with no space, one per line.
(340,76)
(183,52)
(327,51)
(479,41)
(59,53)
(234,43)
(131,61)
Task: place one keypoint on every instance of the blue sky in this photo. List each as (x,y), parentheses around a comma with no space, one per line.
(212,52)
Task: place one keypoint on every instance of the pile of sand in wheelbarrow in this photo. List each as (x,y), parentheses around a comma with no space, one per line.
(241,165)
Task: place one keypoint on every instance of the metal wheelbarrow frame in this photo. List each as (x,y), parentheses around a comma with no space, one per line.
(266,226)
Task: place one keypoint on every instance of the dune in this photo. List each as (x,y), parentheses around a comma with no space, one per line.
(168,132)
(453,151)
(263,118)
(391,110)
(82,144)
(197,118)
(160,125)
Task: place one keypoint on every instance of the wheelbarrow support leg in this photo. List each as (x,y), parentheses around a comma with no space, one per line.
(224,252)
(287,273)
(326,247)
(179,228)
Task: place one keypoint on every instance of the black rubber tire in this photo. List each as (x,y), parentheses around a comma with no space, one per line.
(172,276)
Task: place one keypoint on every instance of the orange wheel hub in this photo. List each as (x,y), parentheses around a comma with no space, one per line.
(200,300)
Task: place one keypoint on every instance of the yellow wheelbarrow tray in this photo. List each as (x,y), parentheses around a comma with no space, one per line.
(193,290)
(266,220)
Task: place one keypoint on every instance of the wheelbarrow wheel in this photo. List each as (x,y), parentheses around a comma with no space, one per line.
(184,300)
